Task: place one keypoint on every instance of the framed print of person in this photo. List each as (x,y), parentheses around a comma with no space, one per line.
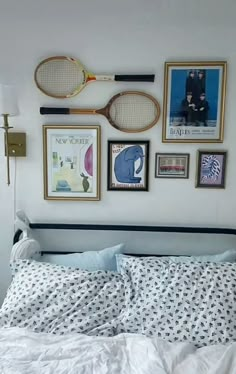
(194,102)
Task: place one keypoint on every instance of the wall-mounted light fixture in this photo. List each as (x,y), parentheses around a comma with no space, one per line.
(15,142)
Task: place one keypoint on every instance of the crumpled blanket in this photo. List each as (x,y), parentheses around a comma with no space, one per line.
(25,352)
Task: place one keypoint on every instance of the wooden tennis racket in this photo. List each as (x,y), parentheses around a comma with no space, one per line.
(129,111)
(64,77)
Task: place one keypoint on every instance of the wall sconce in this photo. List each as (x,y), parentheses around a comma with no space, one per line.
(15,143)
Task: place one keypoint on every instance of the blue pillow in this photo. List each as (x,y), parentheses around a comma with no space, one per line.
(227,256)
(91,260)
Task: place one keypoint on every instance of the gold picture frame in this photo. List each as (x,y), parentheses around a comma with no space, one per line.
(194,102)
(72,162)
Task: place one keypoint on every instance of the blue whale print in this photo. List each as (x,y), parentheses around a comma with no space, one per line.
(124,167)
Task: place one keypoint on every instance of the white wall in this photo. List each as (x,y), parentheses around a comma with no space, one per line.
(113,36)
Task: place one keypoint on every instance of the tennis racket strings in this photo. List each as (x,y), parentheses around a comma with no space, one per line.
(130,111)
(60,77)
(134,112)
(64,77)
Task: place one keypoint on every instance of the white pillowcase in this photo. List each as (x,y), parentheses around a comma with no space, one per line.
(25,248)
(194,302)
(57,299)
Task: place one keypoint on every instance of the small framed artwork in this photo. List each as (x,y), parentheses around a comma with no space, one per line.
(172,165)
(128,164)
(211,167)
(194,102)
(71,162)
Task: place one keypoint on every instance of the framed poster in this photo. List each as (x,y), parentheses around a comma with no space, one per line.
(128,165)
(71,162)
(172,165)
(211,167)
(194,102)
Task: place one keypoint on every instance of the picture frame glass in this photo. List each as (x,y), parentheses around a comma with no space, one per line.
(71,162)
(172,165)
(194,101)
(128,165)
(211,169)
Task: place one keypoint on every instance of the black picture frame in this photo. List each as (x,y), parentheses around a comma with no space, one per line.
(172,165)
(128,165)
(211,169)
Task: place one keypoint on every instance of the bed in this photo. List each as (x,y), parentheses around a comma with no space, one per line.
(123,303)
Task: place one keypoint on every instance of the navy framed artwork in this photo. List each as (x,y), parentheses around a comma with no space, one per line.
(194,102)
(128,165)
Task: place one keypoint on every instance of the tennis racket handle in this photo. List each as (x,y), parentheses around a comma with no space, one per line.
(45,110)
(135,78)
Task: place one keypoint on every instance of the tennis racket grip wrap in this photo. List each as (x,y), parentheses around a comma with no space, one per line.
(45,110)
(135,78)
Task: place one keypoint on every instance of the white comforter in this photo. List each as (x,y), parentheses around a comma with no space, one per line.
(23,351)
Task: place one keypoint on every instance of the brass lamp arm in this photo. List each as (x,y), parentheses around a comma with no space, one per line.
(15,144)
(6,127)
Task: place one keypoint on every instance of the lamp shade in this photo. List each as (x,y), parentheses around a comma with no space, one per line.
(8,101)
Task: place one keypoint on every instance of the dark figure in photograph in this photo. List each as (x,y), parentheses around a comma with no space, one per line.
(188,109)
(202,109)
(200,83)
(191,85)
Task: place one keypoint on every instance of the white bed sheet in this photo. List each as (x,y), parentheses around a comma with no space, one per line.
(25,352)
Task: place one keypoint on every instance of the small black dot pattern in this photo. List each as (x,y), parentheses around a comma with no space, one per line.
(56,299)
(194,302)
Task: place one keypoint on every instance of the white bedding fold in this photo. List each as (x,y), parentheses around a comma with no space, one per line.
(26,352)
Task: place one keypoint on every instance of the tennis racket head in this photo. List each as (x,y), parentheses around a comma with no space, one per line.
(133,111)
(60,76)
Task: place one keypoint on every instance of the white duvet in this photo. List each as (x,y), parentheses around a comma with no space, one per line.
(23,351)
